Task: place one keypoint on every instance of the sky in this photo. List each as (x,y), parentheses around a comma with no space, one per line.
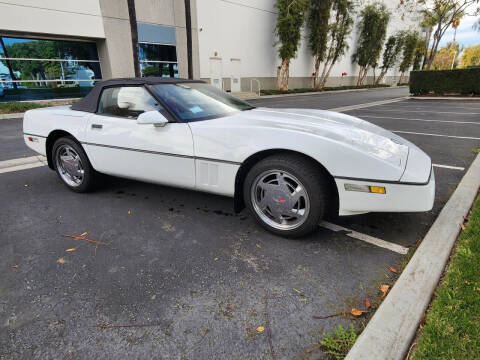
(466,35)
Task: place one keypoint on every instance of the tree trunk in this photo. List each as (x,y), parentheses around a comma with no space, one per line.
(381,76)
(436,41)
(364,76)
(325,76)
(360,72)
(427,45)
(316,81)
(283,74)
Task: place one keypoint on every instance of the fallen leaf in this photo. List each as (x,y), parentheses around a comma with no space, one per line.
(405,245)
(71,249)
(367,304)
(314,347)
(462,225)
(26,185)
(61,261)
(298,292)
(260,329)
(15,266)
(83,234)
(129,212)
(466,218)
(248,330)
(384,290)
(259,246)
(356,312)
(392,269)
(422,321)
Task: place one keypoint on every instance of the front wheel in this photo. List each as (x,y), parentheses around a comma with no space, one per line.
(72,165)
(287,194)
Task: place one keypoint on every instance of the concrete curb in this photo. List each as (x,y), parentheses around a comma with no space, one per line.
(445,98)
(389,333)
(11,116)
(323,92)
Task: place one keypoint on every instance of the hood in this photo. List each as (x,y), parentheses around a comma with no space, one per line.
(339,127)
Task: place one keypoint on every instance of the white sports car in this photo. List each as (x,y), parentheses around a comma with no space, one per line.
(290,167)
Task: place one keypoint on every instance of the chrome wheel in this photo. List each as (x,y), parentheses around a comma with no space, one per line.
(69,165)
(280,200)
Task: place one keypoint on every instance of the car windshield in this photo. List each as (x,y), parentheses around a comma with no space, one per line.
(197,101)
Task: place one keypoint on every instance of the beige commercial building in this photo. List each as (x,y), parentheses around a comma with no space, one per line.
(53,48)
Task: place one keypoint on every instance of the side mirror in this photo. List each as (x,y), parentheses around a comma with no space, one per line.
(152,118)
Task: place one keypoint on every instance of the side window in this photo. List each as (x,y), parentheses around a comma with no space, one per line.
(127,101)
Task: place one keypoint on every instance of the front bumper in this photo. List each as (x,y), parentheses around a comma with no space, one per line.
(399,197)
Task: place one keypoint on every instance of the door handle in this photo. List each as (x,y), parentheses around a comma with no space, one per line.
(97,126)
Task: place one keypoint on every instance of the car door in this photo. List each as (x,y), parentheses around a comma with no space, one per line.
(118,145)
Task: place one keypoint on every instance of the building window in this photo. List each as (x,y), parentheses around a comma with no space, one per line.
(158,59)
(39,68)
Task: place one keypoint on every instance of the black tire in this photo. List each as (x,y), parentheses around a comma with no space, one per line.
(313,179)
(89,175)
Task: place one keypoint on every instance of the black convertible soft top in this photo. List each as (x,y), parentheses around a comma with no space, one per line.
(89,103)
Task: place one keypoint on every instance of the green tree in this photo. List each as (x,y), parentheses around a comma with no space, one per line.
(470,56)
(393,47)
(340,29)
(372,27)
(317,24)
(420,52)
(447,57)
(290,18)
(442,14)
(409,45)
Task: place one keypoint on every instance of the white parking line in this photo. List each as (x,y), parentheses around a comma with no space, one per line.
(449,167)
(367,105)
(366,238)
(22,163)
(428,111)
(407,119)
(440,135)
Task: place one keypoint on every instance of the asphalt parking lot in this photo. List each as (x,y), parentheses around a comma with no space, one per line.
(182,275)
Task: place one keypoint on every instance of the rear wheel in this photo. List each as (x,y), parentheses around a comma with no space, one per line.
(287,194)
(72,165)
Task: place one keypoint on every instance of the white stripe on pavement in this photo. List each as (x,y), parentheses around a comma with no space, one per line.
(366,105)
(449,167)
(440,135)
(366,238)
(442,121)
(433,112)
(22,163)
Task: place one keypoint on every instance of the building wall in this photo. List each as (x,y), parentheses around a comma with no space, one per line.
(53,17)
(104,22)
(244,29)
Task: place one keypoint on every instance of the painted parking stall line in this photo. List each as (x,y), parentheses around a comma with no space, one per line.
(426,120)
(25,163)
(365,238)
(428,111)
(438,135)
(370,104)
(449,167)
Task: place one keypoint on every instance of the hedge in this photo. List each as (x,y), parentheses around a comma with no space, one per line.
(440,82)
(307,90)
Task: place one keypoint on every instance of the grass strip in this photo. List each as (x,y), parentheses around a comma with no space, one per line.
(452,325)
(11,107)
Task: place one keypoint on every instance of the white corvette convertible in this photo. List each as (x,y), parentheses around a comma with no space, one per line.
(290,167)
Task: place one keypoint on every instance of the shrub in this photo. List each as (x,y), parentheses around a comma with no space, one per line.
(439,82)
